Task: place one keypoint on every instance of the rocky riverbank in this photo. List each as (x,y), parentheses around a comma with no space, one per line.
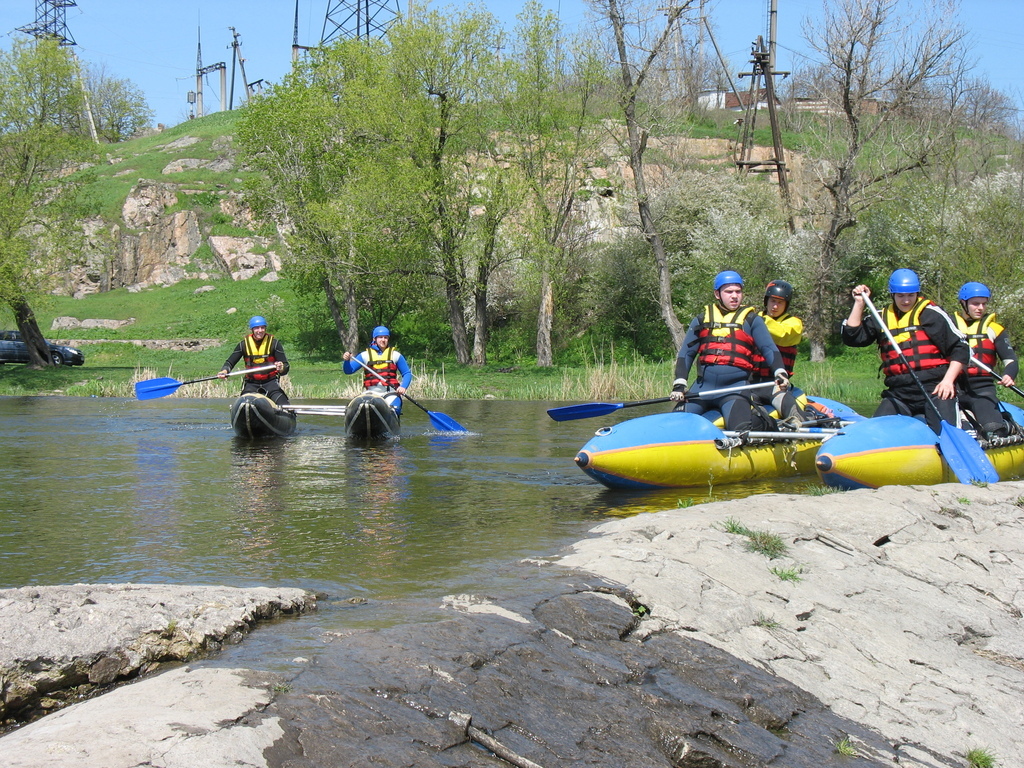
(886,630)
(61,643)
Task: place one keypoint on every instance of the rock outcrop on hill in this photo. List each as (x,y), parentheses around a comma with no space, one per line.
(162,237)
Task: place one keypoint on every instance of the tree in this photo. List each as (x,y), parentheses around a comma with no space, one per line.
(552,138)
(884,80)
(335,177)
(638,43)
(119,108)
(40,104)
(448,67)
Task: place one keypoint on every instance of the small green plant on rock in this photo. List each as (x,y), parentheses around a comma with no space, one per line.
(768,544)
(684,503)
(789,574)
(821,490)
(732,525)
(766,622)
(845,747)
(981,758)
(963,500)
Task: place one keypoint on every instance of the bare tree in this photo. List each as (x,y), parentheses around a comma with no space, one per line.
(639,42)
(883,83)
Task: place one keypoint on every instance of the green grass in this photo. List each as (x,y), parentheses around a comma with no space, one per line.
(981,758)
(768,544)
(845,747)
(314,350)
(817,489)
(789,574)
(766,622)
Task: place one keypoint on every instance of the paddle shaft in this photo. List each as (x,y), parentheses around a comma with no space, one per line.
(242,372)
(730,390)
(993,374)
(812,434)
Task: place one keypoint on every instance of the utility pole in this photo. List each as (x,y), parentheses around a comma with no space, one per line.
(763,71)
(51,22)
(202,71)
(296,48)
(236,55)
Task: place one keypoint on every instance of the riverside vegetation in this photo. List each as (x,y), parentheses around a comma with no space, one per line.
(176,312)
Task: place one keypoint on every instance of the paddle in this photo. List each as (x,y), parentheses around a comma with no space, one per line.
(815,433)
(964,456)
(440,421)
(994,375)
(589,410)
(151,389)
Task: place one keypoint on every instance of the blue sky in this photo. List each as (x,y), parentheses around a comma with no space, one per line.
(153,43)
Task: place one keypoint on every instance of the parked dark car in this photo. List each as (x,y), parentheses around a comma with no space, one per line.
(14,350)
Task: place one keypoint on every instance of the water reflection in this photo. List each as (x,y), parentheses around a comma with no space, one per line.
(102,490)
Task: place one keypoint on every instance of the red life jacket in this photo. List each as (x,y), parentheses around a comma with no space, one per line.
(384,365)
(981,335)
(257,354)
(723,341)
(918,348)
(788,355)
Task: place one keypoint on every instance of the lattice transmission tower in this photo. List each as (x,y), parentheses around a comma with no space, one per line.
(361,19)
(51,21)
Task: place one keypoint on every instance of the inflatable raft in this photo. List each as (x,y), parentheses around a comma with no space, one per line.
(683,450)
(900,450)
(256,416)
(370,415)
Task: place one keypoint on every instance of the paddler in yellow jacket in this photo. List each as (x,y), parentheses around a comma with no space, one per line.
(786,331)
(725,340)
(929,342)
(260,349)
(991,345)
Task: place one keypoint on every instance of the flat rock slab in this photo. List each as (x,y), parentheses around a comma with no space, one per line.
(900,608)
(60,642)
(185,718)
(555,679)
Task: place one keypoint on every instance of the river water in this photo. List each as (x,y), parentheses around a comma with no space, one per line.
(160,491)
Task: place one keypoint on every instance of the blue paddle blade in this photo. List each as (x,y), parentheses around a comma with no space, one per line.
(965,457)
(153,388)
(583,411)
(445,423)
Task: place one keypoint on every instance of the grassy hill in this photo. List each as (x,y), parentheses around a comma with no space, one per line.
(181,311)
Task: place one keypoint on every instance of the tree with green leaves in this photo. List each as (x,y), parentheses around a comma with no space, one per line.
(40,107)
(331,177)
(641,34)
(883,79)
(449,66)
(553,137)
(119,108)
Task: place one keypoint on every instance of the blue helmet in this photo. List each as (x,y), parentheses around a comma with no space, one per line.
(728,278)
(380,330)
(904,281)
(256,321)
(974,291)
